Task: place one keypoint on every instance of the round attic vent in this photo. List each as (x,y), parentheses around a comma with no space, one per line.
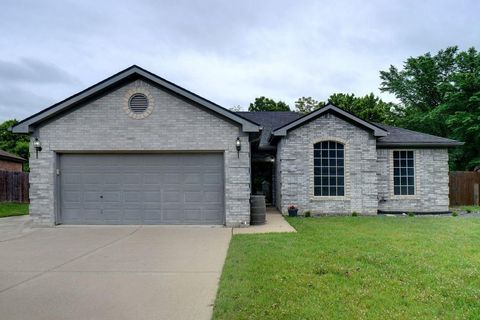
(138,103)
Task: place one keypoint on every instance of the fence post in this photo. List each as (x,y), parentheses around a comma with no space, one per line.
(476,194)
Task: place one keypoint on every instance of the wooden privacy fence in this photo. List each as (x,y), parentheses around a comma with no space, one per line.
(14,186)
(464,188)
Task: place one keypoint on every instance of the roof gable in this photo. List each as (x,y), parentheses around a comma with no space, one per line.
(134,72)
(330,108)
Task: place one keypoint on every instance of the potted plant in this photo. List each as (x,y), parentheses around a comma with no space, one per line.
(292,210)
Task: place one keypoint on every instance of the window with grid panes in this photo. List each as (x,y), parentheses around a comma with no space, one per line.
(329,168)
(403,173)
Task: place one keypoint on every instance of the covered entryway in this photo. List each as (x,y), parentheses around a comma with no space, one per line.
(141,189)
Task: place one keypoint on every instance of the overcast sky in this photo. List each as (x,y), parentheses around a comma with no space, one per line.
(227,51)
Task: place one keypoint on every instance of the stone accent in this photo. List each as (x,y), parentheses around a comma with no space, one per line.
(295,166)
(431,182)
(103,126)
(139,87)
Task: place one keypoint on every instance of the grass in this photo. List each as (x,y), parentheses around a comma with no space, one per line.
(10,209)
(355,268)
(469,208)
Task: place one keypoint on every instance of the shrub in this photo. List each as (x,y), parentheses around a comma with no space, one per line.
(411,214)
(469,210)
(307,214)
(454,214)
(354,214)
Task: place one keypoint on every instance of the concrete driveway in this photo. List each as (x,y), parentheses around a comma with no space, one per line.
(124,272)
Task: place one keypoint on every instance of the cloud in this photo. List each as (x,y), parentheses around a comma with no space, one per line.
(30,70)
(18,103)
(229,52)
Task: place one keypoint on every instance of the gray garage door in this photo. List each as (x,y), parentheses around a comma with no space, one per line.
(141,189)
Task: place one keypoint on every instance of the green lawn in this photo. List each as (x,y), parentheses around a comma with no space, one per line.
(355,268)
(469,209)
(9,209)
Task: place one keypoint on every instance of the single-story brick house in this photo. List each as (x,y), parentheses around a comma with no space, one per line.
(10,162)
(138,149)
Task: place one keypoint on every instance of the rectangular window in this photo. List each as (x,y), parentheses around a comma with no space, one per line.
(403,173)
(328,161)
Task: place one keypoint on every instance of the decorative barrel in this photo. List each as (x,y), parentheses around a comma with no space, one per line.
(258,210)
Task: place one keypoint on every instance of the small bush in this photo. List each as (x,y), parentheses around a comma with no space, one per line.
(411,214)
(468,210)
(354,214)
(307,214)
(454,214)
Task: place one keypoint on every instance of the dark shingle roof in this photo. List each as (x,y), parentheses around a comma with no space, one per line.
(404,137)
(269,120)
(398,137)
(10,156)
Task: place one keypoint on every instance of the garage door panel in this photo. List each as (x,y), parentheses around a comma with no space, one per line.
(132,196)
(142,189)
(213,197)
(113,178)
(171,216)
(152,196)
(152,178)
(153,215)
(193,197)
(132,178)
(112,214)
(212,178)
(171,178)
(172,196)
(91,196)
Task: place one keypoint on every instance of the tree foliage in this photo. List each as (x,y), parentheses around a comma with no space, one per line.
(12,142)
(267,104)
(440,94)
(369,107)
(307,104)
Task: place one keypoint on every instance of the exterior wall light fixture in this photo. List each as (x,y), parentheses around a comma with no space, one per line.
(38,146)
(238,145)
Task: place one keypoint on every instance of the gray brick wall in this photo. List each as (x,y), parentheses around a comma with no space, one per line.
(295,164)
(103,125)
(431,179)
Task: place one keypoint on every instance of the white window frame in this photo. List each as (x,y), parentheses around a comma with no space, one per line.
(346,172)
(391,168)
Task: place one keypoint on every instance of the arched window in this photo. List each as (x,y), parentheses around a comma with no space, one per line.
(329,168)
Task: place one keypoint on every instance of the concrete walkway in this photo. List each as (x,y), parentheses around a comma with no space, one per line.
(275,223)
(111,272)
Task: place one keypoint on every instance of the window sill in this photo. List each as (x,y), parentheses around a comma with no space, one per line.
(404,197)
(327,198)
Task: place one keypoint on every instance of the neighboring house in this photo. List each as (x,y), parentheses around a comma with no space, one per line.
(137,149)
(10,162)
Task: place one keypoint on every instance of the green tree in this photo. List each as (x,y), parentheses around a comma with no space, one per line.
(368,107)
(267,104)
(12,142)
(307,104)
(440,94)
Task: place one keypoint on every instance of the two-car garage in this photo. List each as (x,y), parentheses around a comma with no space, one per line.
(168,188)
